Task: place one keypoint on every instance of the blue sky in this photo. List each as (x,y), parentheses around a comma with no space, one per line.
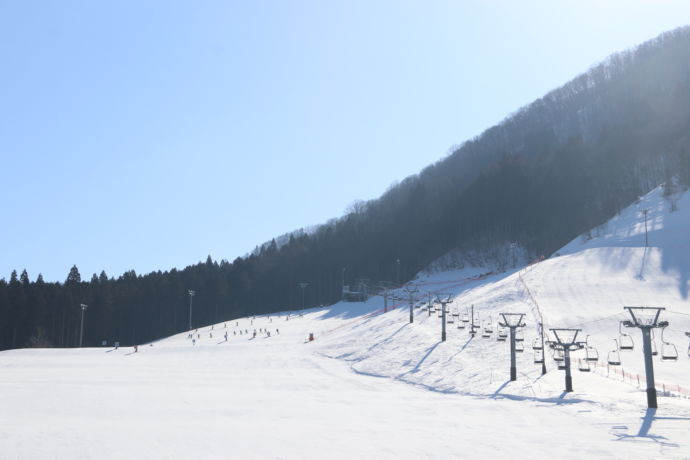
(147,135)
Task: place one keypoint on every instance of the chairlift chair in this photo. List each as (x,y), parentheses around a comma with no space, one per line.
(655,350)
(486,332)
(591,353)
(669,352)
(461,325)
(539,356)
(519,347)
(558,355)
(536,343)
(519,335)
(450,319)
(465,318)
(583,365)
(626,342)
(614,356)
(502,334)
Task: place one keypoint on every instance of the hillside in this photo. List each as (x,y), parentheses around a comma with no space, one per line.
(373,385)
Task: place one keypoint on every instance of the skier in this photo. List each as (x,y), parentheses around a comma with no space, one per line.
(193,342)
(136,349)
(226,336)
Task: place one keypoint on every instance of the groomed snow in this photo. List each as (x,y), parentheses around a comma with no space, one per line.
(372,385)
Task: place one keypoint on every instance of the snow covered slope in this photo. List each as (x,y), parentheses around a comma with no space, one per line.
(372,385)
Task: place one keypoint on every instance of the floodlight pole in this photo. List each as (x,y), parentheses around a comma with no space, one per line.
(429,306)
(81,328)
(472,332)
(191,293)
(443,317)
(646,327)
(411,291)
(303,286)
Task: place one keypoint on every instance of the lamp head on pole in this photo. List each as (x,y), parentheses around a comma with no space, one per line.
(83,307)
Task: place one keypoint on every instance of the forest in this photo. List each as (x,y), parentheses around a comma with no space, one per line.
(556,168)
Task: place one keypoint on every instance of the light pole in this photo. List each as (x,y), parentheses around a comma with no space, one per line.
(342,286)
(81,328)
(645,211)
(566,340)
(646,319)
(512,321)
(303,286)
(191,295)
(397,277)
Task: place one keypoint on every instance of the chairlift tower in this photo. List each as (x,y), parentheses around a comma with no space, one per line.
(645,212)
(191,293)
(443,303)
(385,300)
(566,340)
(646,319)
(543,360)
(411,291)
(511,321)
(81,328)
(472,326)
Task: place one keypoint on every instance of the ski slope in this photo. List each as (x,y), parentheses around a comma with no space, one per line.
(372,385)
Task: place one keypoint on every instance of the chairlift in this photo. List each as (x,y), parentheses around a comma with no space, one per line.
(519,347)
(456,312)
(519,335)
(461,325)
(450,319)
(558,355)
(539,356)
(655,351)
(489,326)
(669,352)
(465,318)
(502,334)
(626,342)
(536,344)
(591,353)
(583,365)
(486,332)
(614,356)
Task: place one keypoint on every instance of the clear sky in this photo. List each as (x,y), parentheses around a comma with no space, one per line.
(148,134)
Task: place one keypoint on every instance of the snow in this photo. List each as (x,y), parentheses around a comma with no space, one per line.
(372,385)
